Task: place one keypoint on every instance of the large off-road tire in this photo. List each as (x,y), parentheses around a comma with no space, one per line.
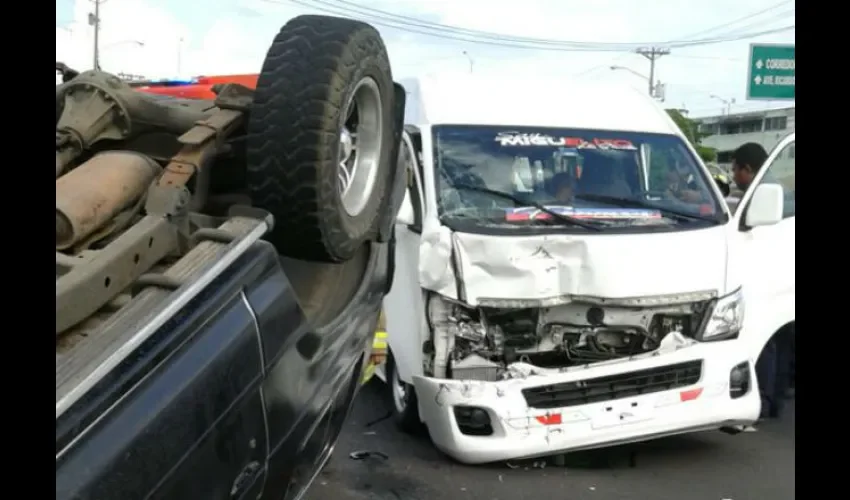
(317,70)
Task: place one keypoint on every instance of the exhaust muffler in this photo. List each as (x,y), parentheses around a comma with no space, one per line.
(92,194)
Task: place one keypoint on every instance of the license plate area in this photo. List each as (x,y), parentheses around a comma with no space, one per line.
(616,413)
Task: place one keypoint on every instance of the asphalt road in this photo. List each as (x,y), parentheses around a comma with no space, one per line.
(708,466)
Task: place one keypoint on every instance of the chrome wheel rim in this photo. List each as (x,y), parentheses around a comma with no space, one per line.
(360,146)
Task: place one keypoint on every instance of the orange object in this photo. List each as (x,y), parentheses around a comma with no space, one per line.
(201,88)
(550,419)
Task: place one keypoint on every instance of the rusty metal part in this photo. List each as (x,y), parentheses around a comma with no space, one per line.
(93,193)
(233,96)
(90,113)
(97,105)
(86,284)
(119,223)
(200,145)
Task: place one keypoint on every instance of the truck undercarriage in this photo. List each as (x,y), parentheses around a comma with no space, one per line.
(160,200)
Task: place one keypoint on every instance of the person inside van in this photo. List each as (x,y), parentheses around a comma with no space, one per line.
(563,187)
(678,189)
(746,162)
(603,176)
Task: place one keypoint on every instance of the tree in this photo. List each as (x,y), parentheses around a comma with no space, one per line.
(685,124)
(707,154)
(691,131)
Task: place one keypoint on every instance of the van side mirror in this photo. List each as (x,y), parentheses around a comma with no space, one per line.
(766,206)
(406,215)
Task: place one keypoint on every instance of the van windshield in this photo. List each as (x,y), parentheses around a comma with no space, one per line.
(570,179)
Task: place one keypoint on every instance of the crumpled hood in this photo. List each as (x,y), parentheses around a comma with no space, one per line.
(551,268)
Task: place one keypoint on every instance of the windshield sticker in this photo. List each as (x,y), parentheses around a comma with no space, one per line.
(533,213)
(515,139)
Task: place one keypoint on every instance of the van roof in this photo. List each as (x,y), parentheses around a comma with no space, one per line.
(535,102)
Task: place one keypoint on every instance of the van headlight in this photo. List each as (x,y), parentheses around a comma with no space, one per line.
(458,320)
(725,319)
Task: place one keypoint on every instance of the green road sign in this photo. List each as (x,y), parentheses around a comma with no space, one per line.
(772,72)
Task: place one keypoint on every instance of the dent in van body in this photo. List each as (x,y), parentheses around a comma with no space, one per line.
(483,270)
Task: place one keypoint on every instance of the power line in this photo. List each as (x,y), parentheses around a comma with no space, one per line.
(737,20)
(500,40)
(707,58)
(781,16)
(413,21)
(487,34)
(743,36)
(404,23)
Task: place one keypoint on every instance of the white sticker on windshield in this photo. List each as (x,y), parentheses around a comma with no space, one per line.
(516,139)
(534,213)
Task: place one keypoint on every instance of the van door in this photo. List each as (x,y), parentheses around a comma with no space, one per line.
(404,304)
(766,255)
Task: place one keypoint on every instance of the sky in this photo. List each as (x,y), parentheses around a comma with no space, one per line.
(168,38)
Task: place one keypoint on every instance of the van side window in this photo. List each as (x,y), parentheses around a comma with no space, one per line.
(782,171)
(419,161)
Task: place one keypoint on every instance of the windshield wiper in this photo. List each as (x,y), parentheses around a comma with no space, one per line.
(634,203)
(520,202)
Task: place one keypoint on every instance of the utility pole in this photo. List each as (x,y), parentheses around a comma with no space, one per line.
(94,21)
(652,53)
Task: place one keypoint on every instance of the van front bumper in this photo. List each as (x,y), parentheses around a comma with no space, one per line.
(638,400)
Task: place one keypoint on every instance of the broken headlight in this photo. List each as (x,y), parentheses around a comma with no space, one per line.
(457,319)
(725,319)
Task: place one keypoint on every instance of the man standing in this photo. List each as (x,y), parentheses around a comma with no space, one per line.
(773,366)
(746,162)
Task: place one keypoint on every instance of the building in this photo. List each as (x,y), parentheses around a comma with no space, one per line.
(726,132)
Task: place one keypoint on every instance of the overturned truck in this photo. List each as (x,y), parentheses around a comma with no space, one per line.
(220,266)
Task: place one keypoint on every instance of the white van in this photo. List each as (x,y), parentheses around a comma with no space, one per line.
(568,276)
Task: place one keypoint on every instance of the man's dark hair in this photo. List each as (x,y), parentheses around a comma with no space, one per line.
(750,155)
(562,179)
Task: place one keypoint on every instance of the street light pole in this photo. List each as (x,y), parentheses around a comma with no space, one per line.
(630,70)
(470,60)
(179,55)
(122,42)
(655,89)
(727,108)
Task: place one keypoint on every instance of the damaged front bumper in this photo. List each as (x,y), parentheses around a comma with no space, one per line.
(538,412)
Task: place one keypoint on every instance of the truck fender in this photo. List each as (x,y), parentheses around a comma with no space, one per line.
(398,176)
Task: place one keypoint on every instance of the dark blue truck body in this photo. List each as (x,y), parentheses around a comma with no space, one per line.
(238,395)
(227,395)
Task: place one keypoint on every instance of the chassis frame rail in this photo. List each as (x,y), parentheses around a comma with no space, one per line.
(87,362)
